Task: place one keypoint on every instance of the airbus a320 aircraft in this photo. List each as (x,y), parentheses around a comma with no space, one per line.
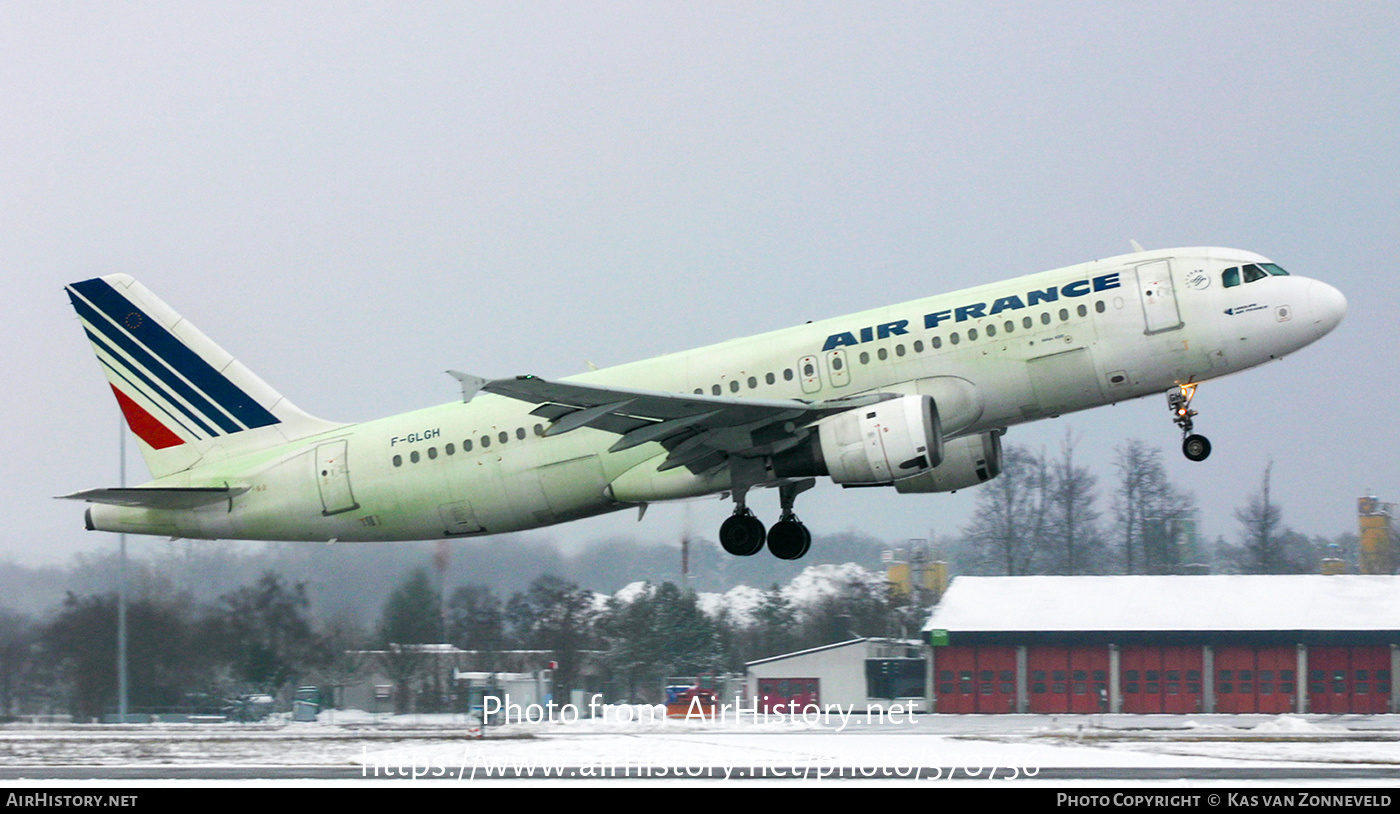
(914,396)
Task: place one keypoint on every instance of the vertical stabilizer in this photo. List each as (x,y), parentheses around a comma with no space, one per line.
(185,398)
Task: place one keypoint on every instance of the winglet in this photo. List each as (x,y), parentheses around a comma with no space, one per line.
(1137,247)
(471,385)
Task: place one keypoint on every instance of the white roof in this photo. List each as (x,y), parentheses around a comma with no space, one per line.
(1180,603)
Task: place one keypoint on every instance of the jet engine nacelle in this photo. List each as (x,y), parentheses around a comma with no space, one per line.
(967,461)
(883,443)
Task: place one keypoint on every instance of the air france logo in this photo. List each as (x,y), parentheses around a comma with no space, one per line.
(977,310)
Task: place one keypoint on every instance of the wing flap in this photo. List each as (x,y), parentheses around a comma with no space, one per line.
(697,431)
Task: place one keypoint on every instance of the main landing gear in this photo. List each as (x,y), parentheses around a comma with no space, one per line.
(742,534)
(1194,447)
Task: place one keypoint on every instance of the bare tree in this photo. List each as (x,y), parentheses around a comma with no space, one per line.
(1148,510)
(1072,536)
(1269,547)
(1008,524)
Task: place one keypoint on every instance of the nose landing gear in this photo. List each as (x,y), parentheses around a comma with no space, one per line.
(1194,447)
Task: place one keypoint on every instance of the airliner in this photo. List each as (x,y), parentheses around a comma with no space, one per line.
(914,396)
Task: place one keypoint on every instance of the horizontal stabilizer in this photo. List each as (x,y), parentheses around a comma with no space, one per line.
(150,497)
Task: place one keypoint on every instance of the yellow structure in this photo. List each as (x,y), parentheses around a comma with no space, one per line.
(1377,546)
(913,572)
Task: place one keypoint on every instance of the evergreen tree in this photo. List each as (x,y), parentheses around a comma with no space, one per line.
(266,633)
(412,614)
(775,625)
(555,615)
(475,619)
(163,656)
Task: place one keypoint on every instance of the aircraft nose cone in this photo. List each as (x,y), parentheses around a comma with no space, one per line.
(1327,306)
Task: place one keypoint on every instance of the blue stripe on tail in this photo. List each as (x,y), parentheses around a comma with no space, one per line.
(175,355)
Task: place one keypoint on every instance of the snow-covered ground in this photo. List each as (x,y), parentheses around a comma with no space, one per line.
(428,748)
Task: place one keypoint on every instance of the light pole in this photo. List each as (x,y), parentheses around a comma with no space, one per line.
(121,597)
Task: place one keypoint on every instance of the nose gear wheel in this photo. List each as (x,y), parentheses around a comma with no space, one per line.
(1194,447)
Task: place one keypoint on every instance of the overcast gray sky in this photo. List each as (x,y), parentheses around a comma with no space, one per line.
(354,197)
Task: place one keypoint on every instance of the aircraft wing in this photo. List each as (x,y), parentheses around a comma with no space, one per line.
(698,432)
(149,497)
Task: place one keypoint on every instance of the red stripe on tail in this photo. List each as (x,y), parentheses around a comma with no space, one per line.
(145,425)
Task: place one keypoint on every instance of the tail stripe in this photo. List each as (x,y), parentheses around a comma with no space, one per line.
(168,358)
(133,354)
(152,391)
(159,403)
(145,425)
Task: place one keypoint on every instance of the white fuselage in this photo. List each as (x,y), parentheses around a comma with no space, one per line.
(991,357)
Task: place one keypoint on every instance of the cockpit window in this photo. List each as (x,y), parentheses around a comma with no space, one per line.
(1232,277)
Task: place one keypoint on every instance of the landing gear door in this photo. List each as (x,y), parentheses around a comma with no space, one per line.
(1158,297)
(837,370)
(333,478)
(810,375)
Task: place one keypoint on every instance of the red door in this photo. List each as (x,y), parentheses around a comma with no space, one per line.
(1329,680)
(1275,681)
(956,667)
(1181,679)
(1049,678)
(1136,663)
(1370,679)
(1088,679)
(780,694)
(1235,689)
(996,679)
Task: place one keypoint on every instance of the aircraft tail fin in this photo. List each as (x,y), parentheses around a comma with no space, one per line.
(185,398)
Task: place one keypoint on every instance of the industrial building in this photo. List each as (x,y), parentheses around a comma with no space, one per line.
(859,674)
(1163,644)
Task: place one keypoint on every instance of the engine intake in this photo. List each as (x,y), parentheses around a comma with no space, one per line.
(885,443)
(967,461)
